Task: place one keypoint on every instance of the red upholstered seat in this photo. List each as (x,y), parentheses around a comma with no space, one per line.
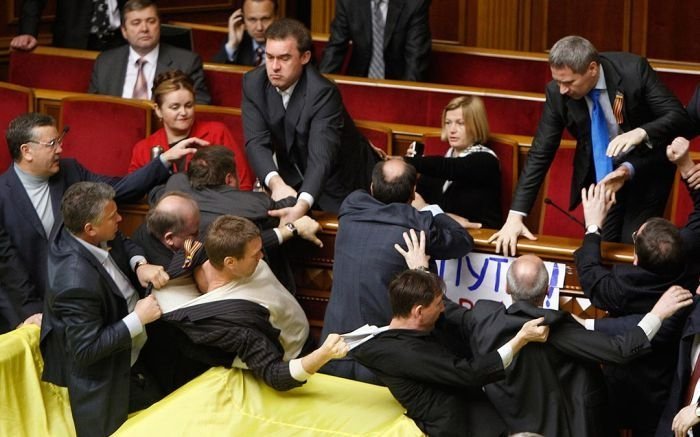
(681,202)
(557,187)
(377,134)
(16,100)
(505,148)
(52,68)
(225,83)
(231,117)
(206,40)
(103,131)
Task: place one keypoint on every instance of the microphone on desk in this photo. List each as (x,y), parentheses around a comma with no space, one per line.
(549,201)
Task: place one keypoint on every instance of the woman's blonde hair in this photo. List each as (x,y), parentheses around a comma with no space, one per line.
(171,81)
(474,114)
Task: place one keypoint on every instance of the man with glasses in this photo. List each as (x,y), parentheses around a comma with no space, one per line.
(31,191)
(663,256)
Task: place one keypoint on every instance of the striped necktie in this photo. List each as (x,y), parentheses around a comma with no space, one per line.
(140,87)
(376,65)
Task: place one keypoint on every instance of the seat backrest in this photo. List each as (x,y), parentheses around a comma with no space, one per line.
(557,187)
(104,130)
(231,117)
(377,134)
(206,39)
(505,148)
(681,202)
(52,68)
(225,83)
(16,100)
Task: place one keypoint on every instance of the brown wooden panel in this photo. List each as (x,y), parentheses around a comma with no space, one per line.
(448,21)
(673,32)
(603,22)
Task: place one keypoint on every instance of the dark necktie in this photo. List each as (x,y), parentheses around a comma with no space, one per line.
(694,378)
(259,55)
(376,65)
(600,137)
(99,22)
(140,87)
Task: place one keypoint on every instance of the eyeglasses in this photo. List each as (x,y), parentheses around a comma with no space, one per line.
(58,141)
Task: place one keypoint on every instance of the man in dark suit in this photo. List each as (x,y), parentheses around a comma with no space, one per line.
(663,256)
(246,33)
(31,191)
(622,145)
(129,71)
(211,180)
(293,113)
(74,26)
(404,53)
(365,261)
(95,312)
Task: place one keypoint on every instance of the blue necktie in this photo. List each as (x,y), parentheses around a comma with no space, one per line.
(600,137)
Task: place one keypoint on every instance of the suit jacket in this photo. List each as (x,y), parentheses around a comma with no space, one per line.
(681,377)
(71,28)
(554,388)
(318,148)
(475,191)
(85,344)
(406,39)
(244,55)
(438,387)
(109,71)
(15,286)
(21,222)
(226,329)
(643,386)
(366,261)
(693,110)
(647,104)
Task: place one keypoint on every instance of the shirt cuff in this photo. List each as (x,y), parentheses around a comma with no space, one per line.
(279,235)
(270,176)
(164,161)
(133,324)
(230,53)
(589,324)
(434,209)
(650,324)
(506,353)
(630,167)
(308,198)
(135,260)
(517,212)
(297,370)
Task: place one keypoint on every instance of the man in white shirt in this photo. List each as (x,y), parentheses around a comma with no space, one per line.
(129,71)
(246,33)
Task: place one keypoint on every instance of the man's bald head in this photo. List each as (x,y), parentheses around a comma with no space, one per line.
(393,181)
(174,219)
(527,280)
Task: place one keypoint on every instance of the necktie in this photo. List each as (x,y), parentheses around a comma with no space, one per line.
(259,55)
(99,22)
(600,137)
(694,378)
(140,87)
(376,65)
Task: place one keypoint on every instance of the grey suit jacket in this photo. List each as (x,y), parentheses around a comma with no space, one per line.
(109,71)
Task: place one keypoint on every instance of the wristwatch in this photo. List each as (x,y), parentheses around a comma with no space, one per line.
(293,229)
(592,229)
(139,264)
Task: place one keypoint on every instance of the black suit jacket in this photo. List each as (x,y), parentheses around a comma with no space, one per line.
(406,39)
(245,55)
(647,104)
(109,71)
(319,150)
(554,388)
(85,344)
(71,26)
(15,286)
(21,222)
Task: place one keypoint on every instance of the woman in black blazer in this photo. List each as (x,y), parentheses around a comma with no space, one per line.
(467,180)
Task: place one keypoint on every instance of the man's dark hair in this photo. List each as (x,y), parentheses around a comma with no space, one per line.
(228,236)
(393,188)
(137,5)
(21,131)
(274,3)
(411,288)
(83,203)
(210,165)
(289,27)
(659,247)
(160,221)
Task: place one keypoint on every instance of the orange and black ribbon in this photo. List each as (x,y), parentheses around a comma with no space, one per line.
(618,106)
(191,247)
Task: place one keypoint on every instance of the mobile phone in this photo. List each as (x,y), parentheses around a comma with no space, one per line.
(417,148)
